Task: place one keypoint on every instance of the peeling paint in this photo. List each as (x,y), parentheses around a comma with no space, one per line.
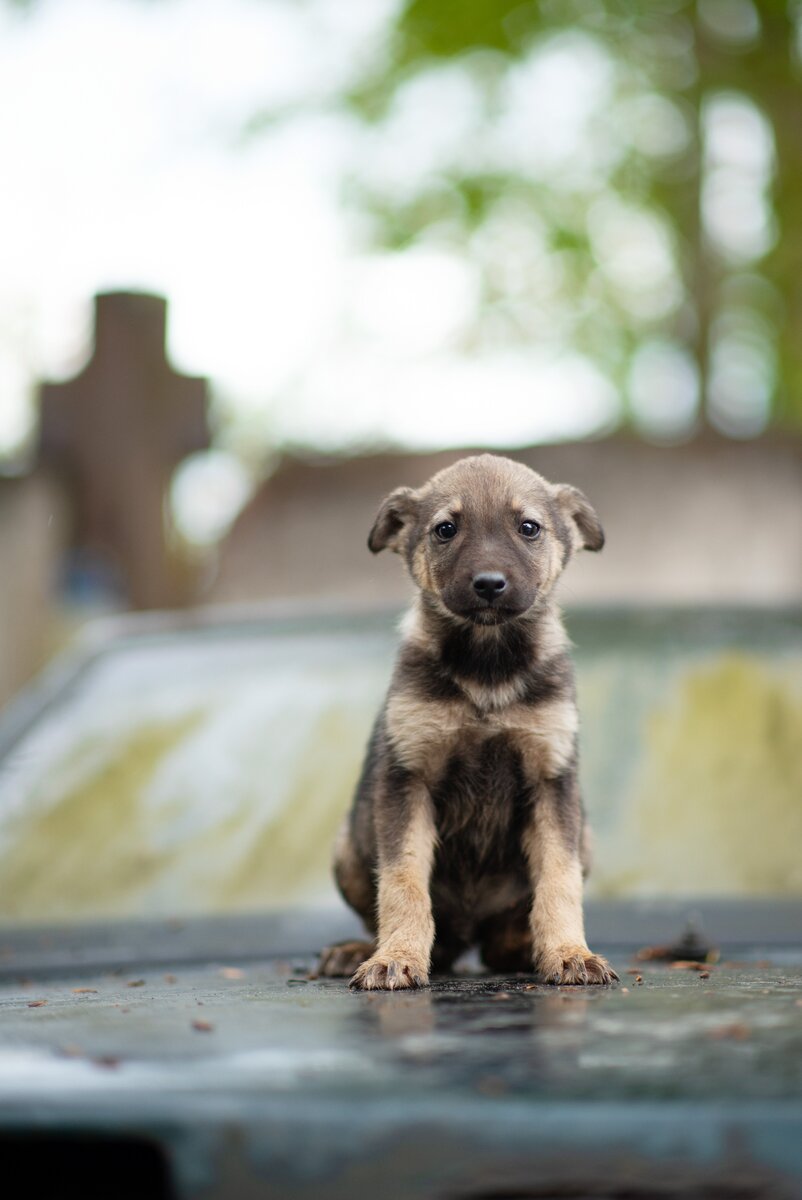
(715,806)
(192,777)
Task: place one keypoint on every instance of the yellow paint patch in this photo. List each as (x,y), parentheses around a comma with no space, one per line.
(717,804)
(89,851)
(292,855)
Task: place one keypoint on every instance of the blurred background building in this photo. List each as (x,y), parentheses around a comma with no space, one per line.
(262,261)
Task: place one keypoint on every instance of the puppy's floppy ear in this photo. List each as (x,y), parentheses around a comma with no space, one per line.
(584,525)
(397,509)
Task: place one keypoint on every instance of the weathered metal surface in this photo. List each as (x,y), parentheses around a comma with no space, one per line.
(189,768)
(480,1087)
(477,1086)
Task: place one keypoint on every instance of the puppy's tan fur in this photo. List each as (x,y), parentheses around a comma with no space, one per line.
(467,826)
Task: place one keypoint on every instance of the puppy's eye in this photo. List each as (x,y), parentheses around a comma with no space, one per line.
(530,529)
(445,531)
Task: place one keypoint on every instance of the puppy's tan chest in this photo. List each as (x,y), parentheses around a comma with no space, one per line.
(428,735)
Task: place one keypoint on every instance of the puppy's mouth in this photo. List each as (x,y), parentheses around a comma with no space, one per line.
(491,614)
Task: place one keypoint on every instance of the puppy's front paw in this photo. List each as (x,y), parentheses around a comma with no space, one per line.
(574,964)
(387,972)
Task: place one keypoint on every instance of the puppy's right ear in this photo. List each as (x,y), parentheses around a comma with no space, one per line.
(396,511)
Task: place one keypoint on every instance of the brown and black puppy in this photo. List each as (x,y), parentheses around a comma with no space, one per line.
(467,827)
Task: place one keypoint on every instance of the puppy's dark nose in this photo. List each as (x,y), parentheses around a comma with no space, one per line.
(489,585)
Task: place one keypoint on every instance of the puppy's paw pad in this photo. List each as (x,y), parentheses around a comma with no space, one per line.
(575,965)
(343,958)
(384,973)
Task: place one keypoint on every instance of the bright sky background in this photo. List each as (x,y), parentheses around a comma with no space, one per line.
(124,166)
(125,163)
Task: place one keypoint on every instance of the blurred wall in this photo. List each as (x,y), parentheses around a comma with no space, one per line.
(713,521)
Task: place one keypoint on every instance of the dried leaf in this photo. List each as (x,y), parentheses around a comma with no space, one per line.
(492,1085)
(70,1051)
(36,1003)
(203,1026)
(689,946)
(85,991)
(136,983)
(737,1031)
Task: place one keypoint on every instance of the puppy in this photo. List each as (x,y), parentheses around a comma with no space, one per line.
(467,826)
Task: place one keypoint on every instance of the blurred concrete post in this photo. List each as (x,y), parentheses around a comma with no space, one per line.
(31,544)
(115,433)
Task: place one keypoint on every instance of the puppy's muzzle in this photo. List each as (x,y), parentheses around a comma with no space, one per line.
(489,586)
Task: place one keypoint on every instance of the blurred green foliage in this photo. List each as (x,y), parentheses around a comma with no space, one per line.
(695,147)
(657,232)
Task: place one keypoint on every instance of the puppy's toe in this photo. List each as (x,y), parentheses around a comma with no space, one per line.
(385,973)
(599,970)
(574,965)
(343,958)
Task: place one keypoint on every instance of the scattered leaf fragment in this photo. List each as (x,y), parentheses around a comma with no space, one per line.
(501,996)
(106,1060)
(85,991)
(639,980)
(135,983)
(70,1051)
(203,1026)
(689,946)
(704,974)
(737,1031)
(492,1085)
(687,964)
(171,979)
(36,1003)
(232,973)
(624,991)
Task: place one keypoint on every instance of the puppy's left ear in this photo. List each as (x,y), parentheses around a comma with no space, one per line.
(584,525)
(396,511)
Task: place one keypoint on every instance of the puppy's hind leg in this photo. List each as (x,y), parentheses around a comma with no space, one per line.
(358,889)
(342,959)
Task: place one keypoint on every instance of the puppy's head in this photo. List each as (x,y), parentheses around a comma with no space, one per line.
(487,537)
